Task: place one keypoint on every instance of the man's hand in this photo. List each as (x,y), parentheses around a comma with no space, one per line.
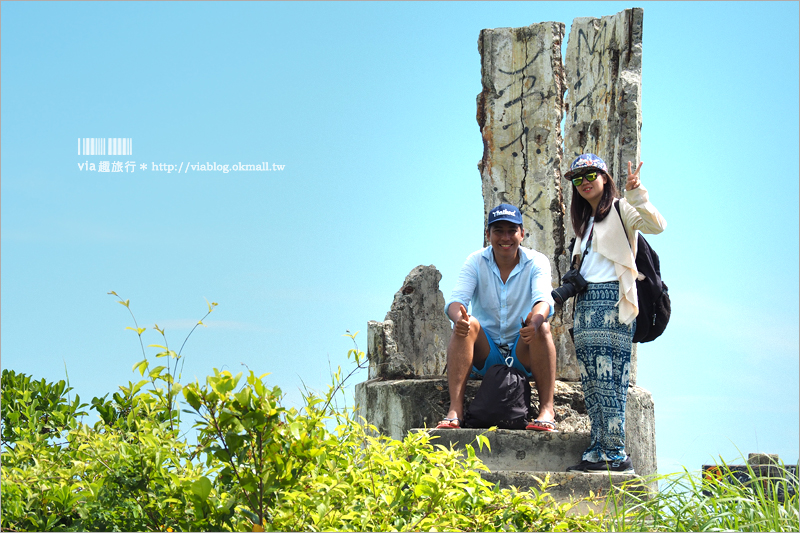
(531,325)
(462,325)
(633,177)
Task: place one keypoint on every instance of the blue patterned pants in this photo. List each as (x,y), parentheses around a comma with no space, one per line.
(603,348)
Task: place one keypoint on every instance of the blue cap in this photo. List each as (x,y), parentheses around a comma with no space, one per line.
(586,162)
(505,212)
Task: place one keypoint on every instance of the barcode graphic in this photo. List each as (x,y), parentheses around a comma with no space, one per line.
(103,146)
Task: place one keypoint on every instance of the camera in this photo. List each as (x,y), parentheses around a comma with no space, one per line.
(573,283)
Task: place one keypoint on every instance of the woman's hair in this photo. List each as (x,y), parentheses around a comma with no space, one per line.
(581,211)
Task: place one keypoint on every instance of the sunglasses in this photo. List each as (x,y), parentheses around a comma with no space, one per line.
(591,176)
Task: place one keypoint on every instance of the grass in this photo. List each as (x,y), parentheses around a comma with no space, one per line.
(691,502)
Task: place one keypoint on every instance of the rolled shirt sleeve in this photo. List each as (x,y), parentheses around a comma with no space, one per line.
(466,283)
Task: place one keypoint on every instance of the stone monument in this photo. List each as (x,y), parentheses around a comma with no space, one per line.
(528,92)
(520,111)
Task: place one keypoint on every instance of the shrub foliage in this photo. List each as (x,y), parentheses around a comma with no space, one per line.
(251,464)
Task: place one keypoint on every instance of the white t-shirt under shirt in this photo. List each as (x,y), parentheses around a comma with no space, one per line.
(595,268)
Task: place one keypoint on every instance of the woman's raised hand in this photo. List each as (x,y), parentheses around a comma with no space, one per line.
(633,177)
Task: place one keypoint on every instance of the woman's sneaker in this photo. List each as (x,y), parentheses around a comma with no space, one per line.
(624,467)
(581,467)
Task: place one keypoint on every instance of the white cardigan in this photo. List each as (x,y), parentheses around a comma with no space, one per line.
(638,214)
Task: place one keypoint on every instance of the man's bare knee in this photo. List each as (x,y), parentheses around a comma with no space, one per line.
(543,331)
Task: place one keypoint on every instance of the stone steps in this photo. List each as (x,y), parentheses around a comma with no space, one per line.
(563,487)
(524,459)
(520,450)
(396,406)
(516,457)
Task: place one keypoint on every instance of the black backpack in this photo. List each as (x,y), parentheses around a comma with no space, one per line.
(503,400)
(654,303)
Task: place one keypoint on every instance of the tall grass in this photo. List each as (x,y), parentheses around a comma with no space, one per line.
(689,502)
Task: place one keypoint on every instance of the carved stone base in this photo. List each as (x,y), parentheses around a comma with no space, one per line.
(395,407)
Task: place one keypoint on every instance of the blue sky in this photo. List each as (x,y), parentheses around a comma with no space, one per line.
(371,108)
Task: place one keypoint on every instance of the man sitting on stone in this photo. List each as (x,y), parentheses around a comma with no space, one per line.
(509,287)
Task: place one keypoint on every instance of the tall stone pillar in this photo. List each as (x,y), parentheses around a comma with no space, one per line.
(603,102)
(519,113)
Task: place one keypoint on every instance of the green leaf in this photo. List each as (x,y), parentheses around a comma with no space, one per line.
(141,366)
(295,428)
(243,397)
(202,487)
(156,371)
(135,388)
(421,490)
(191,396)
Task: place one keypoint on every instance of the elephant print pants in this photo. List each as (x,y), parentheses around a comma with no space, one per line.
(603,348)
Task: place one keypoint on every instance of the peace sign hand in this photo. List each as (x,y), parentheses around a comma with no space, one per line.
(633,177)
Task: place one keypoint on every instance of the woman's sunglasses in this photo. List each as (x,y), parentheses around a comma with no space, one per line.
(591,176)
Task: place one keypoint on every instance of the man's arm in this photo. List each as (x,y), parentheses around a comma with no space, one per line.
(463,290)
(540,284)
(458,314)
(537,316)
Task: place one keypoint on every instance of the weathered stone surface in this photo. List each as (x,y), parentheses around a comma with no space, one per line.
(603,68)
(395,407)
(412,340)
(640,430)
(754,459)
(604,76)
(384,359)
(519,114)
(532,451)
(566,486)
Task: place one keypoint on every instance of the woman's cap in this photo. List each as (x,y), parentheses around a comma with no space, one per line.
(505,212)
(585,162)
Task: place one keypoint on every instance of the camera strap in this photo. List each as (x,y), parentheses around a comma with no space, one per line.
(583,254)
(577,266)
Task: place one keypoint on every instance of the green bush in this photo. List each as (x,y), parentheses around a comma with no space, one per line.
(253,464)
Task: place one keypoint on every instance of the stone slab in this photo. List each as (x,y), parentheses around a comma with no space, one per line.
(571,486)
(603,66)
(519,112)
(520,450)
(527,87)
(395,407)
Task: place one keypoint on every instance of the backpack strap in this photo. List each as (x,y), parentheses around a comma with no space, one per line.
(616,204)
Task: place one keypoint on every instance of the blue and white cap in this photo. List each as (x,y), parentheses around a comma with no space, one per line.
(586,162)
(505,212)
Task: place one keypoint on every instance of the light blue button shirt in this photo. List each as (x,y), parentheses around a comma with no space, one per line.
(499,306)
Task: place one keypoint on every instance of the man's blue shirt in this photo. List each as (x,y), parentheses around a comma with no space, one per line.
(499,306)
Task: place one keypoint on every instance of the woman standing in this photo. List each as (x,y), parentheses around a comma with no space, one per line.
(605,313)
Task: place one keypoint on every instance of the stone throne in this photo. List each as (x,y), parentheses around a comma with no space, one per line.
(529,91)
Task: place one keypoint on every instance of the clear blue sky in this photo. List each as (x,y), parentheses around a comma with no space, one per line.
(371,108)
